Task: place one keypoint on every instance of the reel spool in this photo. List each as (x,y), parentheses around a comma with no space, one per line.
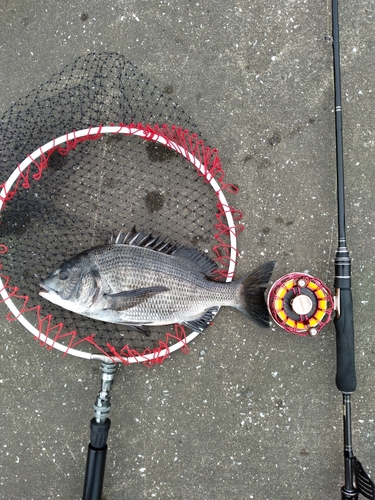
(300,304)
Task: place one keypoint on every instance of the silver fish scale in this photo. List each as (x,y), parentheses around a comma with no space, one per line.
(190,293)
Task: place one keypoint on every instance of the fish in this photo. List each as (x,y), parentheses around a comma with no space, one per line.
(140,280)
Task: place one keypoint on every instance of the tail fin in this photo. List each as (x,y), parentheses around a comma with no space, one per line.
(253,302)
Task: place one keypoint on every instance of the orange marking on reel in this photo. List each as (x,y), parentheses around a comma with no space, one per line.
(300,304)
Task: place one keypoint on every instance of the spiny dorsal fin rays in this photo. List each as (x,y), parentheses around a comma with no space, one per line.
(142,239)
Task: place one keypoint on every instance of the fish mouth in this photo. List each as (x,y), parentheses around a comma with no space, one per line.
(47,290)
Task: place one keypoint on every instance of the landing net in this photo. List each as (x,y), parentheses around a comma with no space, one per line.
(95,149)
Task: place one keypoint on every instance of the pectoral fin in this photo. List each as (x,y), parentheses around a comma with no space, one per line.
(131,298)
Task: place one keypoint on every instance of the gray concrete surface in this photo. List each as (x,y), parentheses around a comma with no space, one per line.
(257,416)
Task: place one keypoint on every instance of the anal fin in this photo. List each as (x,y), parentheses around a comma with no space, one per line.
(202,322)
(137,328)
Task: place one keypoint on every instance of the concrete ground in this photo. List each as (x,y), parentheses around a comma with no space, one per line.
(248,414)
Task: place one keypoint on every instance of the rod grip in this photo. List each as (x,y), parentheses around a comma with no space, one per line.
(346,380)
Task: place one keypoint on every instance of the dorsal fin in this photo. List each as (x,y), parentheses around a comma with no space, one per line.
(142,239)
(204,263)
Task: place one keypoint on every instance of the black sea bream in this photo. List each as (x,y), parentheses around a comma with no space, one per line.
(138,280)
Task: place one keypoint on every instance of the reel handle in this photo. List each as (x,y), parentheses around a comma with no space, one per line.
(346,379)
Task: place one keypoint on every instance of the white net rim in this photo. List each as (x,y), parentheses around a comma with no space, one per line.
(130,130)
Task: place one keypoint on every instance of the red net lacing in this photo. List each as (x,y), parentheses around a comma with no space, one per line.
(208,166)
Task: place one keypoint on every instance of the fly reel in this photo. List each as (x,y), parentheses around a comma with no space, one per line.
(300,304)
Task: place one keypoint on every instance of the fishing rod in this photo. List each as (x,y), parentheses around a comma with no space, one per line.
(356,479)
(302,304)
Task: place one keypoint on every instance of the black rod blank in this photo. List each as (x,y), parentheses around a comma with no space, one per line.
(338,118)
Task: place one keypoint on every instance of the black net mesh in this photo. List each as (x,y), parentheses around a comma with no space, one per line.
(100,186)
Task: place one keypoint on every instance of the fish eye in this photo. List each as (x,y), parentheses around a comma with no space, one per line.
(64,275)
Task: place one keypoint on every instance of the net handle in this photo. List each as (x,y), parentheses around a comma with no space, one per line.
(147,134)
